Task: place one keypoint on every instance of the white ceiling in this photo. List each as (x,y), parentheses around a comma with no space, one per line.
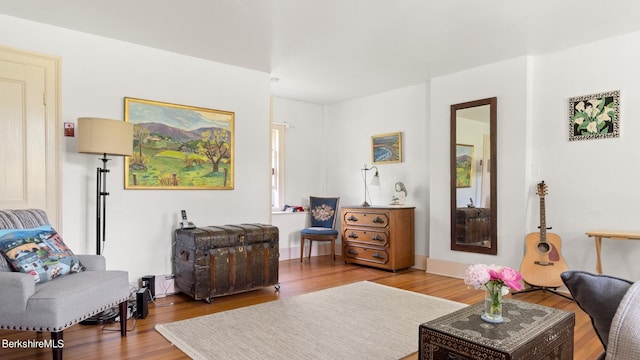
(326,51)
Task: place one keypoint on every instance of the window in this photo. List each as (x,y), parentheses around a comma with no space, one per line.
(277,166)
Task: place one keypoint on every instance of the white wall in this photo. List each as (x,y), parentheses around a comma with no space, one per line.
(350,127)
(593,184)
(507,81)
(304,162)
(97,73)
(304,167)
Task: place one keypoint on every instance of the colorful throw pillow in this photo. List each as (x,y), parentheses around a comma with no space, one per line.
(4,232)
(4,265)
(40,252)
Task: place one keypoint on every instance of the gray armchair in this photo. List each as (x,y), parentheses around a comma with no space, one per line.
(55,305)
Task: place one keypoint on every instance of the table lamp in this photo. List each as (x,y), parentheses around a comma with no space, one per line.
(375,181)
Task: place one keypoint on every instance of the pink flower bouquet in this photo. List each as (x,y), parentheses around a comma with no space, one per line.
(497,280)
(479,275)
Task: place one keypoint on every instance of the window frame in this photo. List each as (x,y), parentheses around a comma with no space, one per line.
(278,135)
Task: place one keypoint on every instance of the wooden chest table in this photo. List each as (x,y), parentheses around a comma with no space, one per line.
(529,332)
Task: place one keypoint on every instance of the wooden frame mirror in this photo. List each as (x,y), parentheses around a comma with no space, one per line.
(473,176)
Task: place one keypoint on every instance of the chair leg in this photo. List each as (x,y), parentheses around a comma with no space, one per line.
(301,249)
(333,251)
(310,248)
(57,346)
(123,318)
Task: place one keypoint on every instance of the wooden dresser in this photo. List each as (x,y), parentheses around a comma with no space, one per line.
(379,236)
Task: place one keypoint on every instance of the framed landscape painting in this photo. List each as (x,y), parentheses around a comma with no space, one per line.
(386,148)
(464,165)
(179,146)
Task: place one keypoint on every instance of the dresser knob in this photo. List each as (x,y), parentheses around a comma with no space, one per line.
(352,218)
(378,256)
(352,252)
(378,220)
(353,235)
(377,238)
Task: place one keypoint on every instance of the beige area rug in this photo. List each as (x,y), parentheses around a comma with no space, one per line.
(363,320)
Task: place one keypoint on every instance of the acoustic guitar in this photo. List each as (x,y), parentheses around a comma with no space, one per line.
(543,262)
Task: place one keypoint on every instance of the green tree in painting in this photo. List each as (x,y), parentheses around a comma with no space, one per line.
(214,145)
(140,136)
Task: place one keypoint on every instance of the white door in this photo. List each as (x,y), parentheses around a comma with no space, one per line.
(29,149)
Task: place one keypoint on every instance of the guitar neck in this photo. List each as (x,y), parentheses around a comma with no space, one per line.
(543,221)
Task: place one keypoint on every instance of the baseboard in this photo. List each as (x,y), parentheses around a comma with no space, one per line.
(420,262)
(446,268)
(325,249)
(318,249)
(458,270)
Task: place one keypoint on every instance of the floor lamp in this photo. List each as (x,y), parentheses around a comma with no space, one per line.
(104,137)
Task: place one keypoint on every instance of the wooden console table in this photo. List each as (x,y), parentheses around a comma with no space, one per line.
(529,332)
(613,235)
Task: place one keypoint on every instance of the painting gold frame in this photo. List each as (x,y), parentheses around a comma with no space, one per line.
(386,148)
(179,146)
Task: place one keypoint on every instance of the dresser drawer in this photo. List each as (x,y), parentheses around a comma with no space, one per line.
(368,254)
(373,236)
(368,219)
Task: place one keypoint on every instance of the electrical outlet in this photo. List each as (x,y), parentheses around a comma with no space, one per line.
(165,285)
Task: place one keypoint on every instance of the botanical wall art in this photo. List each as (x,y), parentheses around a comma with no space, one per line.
(594,116)
(386,148)
(179,146)
(464,165)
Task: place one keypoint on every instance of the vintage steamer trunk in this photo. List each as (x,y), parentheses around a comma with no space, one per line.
(221,260)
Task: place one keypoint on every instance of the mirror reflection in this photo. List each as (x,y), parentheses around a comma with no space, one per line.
(473,174)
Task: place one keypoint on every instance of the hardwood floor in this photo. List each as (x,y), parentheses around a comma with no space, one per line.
(143,342)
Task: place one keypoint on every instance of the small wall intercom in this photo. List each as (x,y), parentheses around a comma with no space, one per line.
(186,224)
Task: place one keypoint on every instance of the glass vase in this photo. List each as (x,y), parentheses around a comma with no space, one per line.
(493,303)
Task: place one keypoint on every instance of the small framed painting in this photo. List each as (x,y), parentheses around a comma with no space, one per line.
(464,165)
(594,116)
(386,148)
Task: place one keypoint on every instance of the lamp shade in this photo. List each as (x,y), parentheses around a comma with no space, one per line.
(105,136)
(375,180)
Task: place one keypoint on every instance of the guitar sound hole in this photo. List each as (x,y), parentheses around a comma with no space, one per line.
(543,247)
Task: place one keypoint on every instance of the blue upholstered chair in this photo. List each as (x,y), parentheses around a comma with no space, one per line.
(324,211)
